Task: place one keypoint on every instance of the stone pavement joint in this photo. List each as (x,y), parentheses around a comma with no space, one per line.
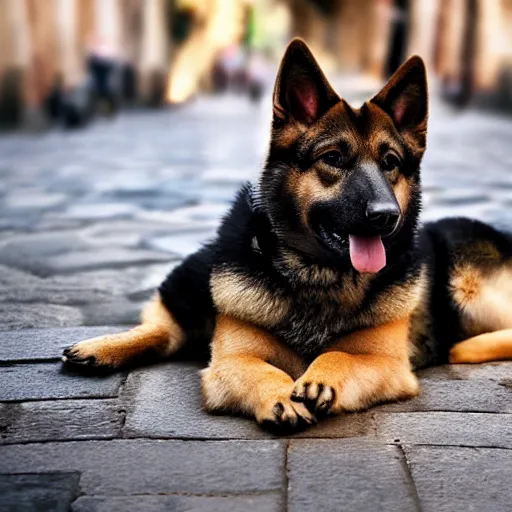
(92,221)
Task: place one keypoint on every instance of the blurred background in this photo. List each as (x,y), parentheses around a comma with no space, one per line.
(126,128)
(128,125)
(68,60)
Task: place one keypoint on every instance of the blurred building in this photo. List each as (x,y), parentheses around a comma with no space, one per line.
(466,44)
(473,52)
(46,44)
(169,49)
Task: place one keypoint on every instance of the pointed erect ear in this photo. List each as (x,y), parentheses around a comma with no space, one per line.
(405,98)
(301,91)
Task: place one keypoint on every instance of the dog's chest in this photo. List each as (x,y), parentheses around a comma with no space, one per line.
(316,319)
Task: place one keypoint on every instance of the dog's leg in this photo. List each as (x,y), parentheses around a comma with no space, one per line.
(491,346)
(364,368)
(159,334)
(241,378)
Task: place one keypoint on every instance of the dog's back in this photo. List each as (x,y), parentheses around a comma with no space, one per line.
(469,297)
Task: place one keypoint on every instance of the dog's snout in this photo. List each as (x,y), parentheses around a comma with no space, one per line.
(383,217)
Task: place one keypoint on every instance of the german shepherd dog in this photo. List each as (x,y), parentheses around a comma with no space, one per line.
(320,294)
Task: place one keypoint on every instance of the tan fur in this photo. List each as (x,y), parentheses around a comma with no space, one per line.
(465,283)
(363,368)
(249,372)
(309,188)
(484,298)
(158,333)
(380,134)
(399,301)
(402,190)
(287,136)
(245,300)
(491,346)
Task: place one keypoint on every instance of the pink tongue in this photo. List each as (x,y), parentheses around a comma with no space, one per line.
(367,253)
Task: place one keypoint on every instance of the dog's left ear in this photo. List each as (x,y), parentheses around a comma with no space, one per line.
(405,98)
(301,91)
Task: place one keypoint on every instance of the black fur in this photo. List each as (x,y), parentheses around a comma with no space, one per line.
(247,245)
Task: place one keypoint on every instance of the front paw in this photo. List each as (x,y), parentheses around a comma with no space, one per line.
(284,416)
(93,354)
(317,393)
(74,356)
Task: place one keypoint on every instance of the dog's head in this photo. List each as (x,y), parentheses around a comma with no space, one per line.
(341,182)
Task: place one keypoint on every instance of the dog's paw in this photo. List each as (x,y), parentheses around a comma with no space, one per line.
(94,354)
(318,395)
(72,355)
(285,416)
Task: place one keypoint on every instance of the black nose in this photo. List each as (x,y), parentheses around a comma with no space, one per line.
(383,217)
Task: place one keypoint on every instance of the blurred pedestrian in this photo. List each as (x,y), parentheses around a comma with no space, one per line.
(104,67)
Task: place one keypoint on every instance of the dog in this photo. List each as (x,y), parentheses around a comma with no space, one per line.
(321,293)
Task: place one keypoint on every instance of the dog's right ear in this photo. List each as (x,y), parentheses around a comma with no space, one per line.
(301,92)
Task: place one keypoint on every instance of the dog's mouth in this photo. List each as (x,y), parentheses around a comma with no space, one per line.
(331,238)
(367,253)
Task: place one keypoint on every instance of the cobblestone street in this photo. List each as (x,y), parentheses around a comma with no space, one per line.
(90,223)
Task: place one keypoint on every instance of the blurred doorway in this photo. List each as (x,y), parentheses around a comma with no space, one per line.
(399,35)
(468,54)
(455,52)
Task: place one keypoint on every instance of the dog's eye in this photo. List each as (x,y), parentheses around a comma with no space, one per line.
(390,162)
(333,158)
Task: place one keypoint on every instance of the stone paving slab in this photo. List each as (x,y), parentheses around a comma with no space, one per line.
(46,254)
(183,244)
(48,380)
(449,479)
(38,315)
(165,401)
(498,371)
(445,428)
(58,420)
(130,467)
(458,396)
(271,502)
(30,344)
(349,425)
(77,289)
(39,492)
(102,258)
(113,311)
(28,252)
(334,475)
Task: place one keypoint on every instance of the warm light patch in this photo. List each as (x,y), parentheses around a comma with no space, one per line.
(221,25)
